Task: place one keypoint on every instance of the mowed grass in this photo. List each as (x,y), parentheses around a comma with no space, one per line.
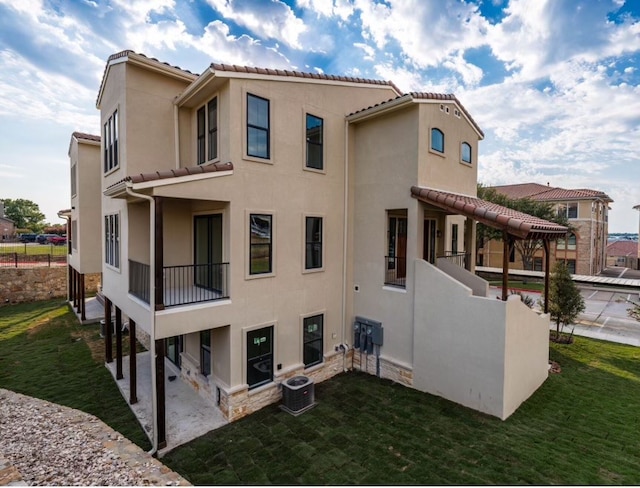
(520,285)
(45,353)
(31,249)
(581,427)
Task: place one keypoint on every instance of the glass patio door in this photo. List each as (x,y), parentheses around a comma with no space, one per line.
(208,251)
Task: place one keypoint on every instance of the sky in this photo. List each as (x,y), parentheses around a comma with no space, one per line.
(554,84)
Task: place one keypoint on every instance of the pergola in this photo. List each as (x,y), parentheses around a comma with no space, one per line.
(513,224)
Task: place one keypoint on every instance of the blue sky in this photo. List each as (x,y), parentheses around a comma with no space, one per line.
(554,84)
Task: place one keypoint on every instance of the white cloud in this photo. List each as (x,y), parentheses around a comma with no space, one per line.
(271,19)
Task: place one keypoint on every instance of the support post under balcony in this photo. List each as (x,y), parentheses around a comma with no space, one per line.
(158,265)
(506,251)
(545,243)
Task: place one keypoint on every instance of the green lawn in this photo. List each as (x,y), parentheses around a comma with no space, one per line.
(580,427)
(520,285)
(34,249)
(45,353)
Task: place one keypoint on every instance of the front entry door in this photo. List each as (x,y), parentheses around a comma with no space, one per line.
(208,251)
(429,240)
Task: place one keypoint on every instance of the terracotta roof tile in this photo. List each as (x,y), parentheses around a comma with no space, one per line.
(516,223)
(427,96)
(622,248)
(542,193)
(298,74)
(175,173)
(86,137)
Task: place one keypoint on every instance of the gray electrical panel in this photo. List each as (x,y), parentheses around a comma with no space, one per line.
(367,333)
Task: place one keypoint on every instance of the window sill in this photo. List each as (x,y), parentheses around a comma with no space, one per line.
(257,159)
(111,171)
(313,270)
(261,388)
(314,367)
(437,153)
(314,170)
(112,268)
(468,165)
(259,276)
(396,289)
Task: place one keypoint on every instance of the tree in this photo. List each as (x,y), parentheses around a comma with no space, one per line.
(565,300)
(527,248)
(24,213)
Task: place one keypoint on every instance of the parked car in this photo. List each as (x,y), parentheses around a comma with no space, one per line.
(44,238)
(57,240)
(28,237)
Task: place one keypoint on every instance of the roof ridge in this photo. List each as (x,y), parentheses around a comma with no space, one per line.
(300,74)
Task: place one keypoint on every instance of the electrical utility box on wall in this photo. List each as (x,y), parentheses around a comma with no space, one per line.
(367,333)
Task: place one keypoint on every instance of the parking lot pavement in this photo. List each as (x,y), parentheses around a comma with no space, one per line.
(605,316)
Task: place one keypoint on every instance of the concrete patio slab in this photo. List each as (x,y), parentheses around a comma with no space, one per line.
(188,415)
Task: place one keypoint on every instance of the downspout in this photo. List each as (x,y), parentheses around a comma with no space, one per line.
(176,134)
(345,246)
(152,329)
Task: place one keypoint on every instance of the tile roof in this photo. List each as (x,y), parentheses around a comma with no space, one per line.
(298,74)
(86,137)
(175,173)
(518,224)
(622,248)
(538,192)
(449,97)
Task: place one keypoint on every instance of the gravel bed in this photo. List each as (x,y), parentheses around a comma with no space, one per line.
(54,445)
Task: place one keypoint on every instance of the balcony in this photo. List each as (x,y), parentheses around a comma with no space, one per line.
(182,285)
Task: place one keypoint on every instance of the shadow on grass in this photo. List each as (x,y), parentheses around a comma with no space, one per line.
(42,355)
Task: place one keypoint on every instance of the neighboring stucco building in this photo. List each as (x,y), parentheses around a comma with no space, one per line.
(584,249)
(258,224)
(84,229)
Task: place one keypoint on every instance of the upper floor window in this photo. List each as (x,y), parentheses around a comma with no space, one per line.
(570,243)
(314,142)
(112,240)
(73,181)
(260,244)
(437,140)
(258,131)
(466,152)
(110,139)
(313,243)
(568,210)
(207,131)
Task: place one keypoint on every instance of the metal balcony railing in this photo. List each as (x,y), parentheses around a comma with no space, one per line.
(182,285)
(395,271)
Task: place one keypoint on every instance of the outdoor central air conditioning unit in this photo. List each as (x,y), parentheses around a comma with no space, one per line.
(297,395)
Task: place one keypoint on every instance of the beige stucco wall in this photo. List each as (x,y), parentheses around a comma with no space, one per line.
(86,212)
(459,348)
(445,171)
(483,353)
(526,358)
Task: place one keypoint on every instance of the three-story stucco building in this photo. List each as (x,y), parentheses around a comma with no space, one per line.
(259,224)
